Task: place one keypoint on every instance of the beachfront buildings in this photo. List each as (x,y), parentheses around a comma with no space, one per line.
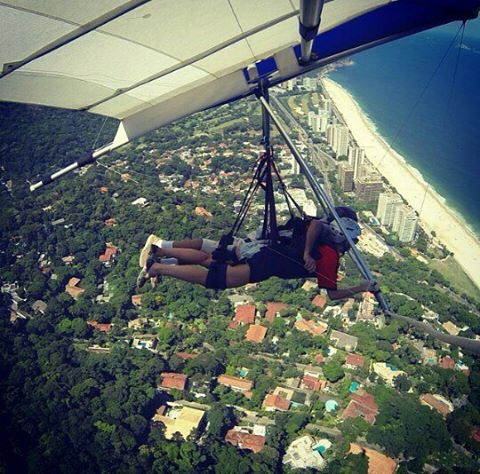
(345,177)
(356,159)
(387,206)
(325,104)
(405,223)
(337,138)
(368,188)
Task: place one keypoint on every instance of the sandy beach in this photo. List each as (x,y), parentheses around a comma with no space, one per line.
(434,212)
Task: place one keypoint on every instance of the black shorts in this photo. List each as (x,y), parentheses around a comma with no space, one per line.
(280,262)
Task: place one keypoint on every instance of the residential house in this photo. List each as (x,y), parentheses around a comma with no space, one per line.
(73,289)
(310,326)
(141,201)
(256,333)
(366,308)
(138,323)
(309,285)
(237,300)
(39,306)
(109,255)
(137,300)
(451,328)
(302,455)
(429,356)
(378,463)
(243,437)
(361,404)
(344,341)
(273,310)
(319,301)
(275,402)
(437,403)
(312,383)
(110,222)
(186,355)
(237,384)
(179,419)
(447,363)
(354,361)
(202,212)
(244,314)
(173,380)
(104,190)
(387,372)
(319,359)
(68,260)
(145,341)
(102,327)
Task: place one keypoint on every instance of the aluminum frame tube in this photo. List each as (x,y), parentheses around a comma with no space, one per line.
(309,18)
(323,197)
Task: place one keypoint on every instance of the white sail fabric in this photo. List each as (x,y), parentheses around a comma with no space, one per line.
(148,63)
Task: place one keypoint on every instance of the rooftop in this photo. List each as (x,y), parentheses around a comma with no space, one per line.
(378,463)
(313,328)
(355,360)
(256,333)
(245,440)
(344,341)
(276,402)
(235,382)
(183,420)
(273,309)
(361,404)
(173,380)
(245,314)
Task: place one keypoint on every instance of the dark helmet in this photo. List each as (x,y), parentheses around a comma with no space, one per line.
(351,227)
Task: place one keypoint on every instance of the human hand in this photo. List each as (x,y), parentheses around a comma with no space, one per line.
(310,263)
(371,286)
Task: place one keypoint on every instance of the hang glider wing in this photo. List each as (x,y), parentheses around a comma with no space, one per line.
(148,63)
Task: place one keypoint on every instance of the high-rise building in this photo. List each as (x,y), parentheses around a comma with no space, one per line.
(337,137)
(325,104)
(291,83)
(323,117)
(368,188)
(356,159)
(345,177)
(405,223)
(310,116)
(387,205)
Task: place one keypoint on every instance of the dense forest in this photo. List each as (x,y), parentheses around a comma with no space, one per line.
(64,408)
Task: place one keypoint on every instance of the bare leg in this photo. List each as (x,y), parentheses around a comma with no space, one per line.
(238,275)
(195,244)
(185,255)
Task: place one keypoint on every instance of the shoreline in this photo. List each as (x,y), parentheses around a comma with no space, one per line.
(410,184)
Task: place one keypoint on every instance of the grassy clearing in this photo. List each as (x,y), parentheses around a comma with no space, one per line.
(454,273)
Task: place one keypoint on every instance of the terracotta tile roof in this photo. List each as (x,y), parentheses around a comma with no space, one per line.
(110,251)
(173,380)
(447,363)
(319,359)
(110,222)
(476,433)
(245,314)
(433,402)
(235,382)
(319,301)
(233,324)
(312,383)
(103,327)
(315,329)
(73,281)
(362,404)
(378,463)
(277,402)
(273,309)
(252,442)
(137,300)
(256,333)
(355,360)
(104,189)
(186,355)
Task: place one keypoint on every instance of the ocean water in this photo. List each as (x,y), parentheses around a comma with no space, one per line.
(427,109)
